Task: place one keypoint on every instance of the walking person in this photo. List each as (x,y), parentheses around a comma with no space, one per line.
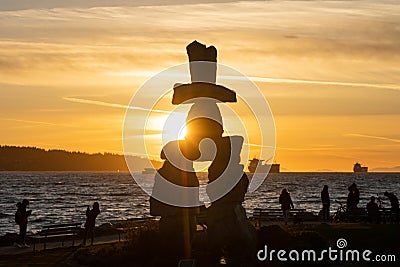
(326,202)
(286,204)
(21,218)
(91,215)
(373,211)
(394,202)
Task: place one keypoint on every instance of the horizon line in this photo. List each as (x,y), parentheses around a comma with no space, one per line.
(373,170)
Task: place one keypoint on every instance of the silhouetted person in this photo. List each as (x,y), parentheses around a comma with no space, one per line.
(286,204)
(394,202)
(91,215)
(353,198)
(21,218)
(373,211)
(326,202)
(378,201)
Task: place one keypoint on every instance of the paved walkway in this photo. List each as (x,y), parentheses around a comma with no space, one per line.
(12,250)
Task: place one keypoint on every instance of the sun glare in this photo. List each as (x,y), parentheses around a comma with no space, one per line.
(172,127)
(182,133)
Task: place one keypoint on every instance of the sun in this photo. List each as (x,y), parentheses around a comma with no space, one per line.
(182,133)
(169,127)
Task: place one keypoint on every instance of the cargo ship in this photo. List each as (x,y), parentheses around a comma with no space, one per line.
(358,168)
(263,168)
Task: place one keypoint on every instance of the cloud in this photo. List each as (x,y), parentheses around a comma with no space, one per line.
(38,122)
(112,105)
(332,100)
(339,83)
(374,137)
(19,57)
(331,47)
(6,5)
(343,61)
(101,38)
(223,78)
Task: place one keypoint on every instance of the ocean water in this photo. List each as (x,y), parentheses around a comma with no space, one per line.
(61,197)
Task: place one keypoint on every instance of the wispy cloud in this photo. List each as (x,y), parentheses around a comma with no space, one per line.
(38,122)
(295,81)
(142,73)
(49,4)
(112,105)
(374,137)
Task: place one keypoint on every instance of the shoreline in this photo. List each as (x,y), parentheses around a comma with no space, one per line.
(105,229)
(138,172)
(380,239)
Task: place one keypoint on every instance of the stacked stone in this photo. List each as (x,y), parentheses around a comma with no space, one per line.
(227,221)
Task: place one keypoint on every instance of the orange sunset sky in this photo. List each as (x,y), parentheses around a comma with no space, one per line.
(330,71)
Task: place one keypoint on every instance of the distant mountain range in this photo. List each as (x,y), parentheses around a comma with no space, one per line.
(389,169)
(13,158)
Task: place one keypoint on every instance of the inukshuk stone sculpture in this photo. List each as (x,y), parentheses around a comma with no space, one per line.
(228,228)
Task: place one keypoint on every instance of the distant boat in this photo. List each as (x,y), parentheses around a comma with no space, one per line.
(149,171)
(358,168)
(263,168)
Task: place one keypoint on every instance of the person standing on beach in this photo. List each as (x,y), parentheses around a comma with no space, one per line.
(394,202)
(91,215)
(326,201)
(21,218)
(373,211)
(353,198)
(286,204)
